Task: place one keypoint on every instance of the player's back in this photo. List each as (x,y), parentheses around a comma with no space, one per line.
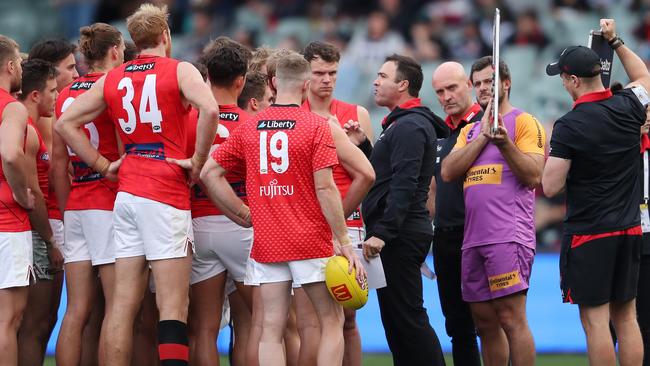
(282,148)
(143,98)
(13,218)
(230,118)
(90,190)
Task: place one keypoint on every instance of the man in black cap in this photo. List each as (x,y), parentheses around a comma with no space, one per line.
(594,155)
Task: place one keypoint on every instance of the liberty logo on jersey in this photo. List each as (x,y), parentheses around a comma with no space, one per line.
(276,124)
(229,116)
(81,85)
(273,189)
(142,67)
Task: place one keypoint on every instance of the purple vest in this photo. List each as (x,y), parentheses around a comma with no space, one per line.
(498,208)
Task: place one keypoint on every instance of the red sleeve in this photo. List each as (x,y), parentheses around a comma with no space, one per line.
(324,150)
(230,154)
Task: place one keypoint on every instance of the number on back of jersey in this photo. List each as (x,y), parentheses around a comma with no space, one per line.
(279,149)
(148,111)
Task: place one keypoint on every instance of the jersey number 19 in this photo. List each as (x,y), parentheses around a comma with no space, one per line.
(279,148)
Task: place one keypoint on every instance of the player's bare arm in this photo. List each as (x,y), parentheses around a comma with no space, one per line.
(59,168)
(38,216)
(356,165)
(86,108)
(12,136)
(197,93)
(555,174)
(330,203)
(634,67)
(213,177)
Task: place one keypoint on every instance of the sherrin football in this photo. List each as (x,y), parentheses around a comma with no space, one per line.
(343,286)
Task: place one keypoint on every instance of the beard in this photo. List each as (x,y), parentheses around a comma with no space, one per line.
(15,86)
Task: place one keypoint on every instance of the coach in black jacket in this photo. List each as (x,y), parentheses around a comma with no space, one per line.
(397,221)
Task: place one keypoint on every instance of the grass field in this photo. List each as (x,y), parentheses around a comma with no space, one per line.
(385,360)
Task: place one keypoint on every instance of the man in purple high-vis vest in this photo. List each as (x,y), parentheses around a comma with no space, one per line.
(500,170)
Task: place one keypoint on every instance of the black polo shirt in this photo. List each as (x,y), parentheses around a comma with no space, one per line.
(645,248)
(601,138)
(450,204)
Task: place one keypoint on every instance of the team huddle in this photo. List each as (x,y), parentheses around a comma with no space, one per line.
(170,191)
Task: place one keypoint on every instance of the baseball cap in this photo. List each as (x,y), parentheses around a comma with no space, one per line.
(575,60)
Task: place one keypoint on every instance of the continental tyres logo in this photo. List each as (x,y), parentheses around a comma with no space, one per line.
(483,174)
(276,124)
(142,67)
(274,190)
(504,281)
(341,292)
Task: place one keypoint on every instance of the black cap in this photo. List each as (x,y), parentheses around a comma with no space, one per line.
(580,61)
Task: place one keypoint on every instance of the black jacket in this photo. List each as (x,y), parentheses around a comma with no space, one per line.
(404,159)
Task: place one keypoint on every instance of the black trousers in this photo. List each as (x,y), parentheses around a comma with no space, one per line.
(643,306)
(411,339)
(458,318)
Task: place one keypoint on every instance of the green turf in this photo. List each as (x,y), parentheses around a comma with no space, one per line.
(385,360)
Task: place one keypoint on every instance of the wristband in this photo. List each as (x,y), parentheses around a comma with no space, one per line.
(246,216)
(615,42)
(366,147)
(101,165)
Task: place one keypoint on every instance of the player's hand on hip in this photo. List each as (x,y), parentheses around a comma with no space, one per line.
(192,165)
(348,252)
(372,247)
(183,163)
(113,168)
(25,201)
(608,28)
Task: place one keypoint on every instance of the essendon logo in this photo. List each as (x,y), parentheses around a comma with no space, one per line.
(81,85)
(151,151)
(229,116)
(276,124)
(141,67)
(341,292)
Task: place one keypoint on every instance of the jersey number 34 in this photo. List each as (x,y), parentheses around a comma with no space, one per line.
(148,111)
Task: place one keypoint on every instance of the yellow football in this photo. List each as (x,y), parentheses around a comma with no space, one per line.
(343,286)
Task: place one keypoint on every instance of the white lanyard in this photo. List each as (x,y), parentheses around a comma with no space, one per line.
(645,177)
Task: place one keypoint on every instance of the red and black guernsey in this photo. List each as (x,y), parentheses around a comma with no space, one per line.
(230,118)
(344,112)
(144,102)
(13,218)
(90,190)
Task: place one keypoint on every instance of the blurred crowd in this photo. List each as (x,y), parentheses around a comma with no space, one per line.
(532,33)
